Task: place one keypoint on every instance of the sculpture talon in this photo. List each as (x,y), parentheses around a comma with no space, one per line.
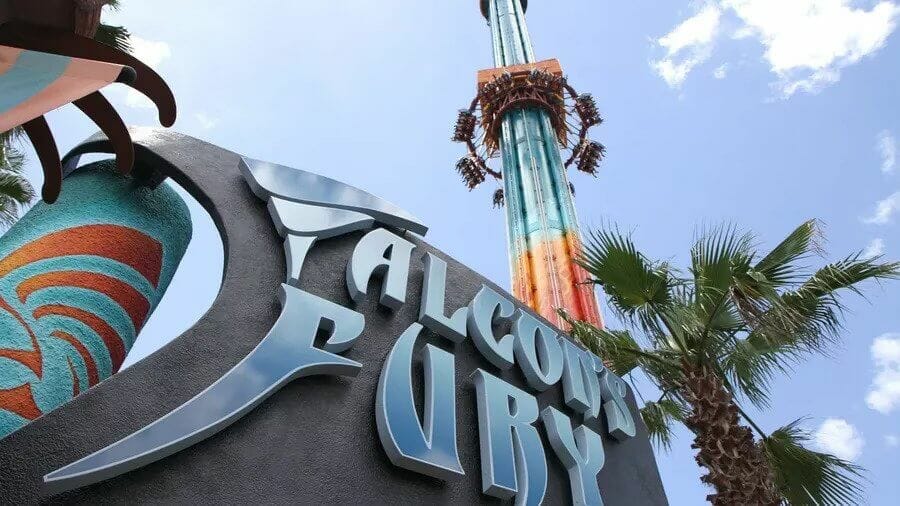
(48,59)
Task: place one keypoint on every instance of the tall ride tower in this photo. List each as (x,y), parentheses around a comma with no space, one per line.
(528,115)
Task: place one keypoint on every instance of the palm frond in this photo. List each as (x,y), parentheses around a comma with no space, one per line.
(116,36)
(726,290)
(779,265)
(804,321)
(718,255)
(751,363)
(684,325)
(754,288)
(806,477)
(810,318)
(11,159)
(15,190)
(622,353)
(659,417)
(725,319)
(10,137)
(637,288)
(617,348)
(9,213)
(846,274)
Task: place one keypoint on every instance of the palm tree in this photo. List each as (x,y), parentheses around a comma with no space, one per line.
(714,336)
(15,189)
(115,36)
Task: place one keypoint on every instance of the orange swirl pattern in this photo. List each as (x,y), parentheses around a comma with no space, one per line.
(40,320)
(131,300)
(122,244)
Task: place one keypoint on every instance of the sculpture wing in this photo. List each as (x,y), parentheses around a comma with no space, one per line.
(33,83)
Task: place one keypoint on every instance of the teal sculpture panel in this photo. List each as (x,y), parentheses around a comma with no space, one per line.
(78,280)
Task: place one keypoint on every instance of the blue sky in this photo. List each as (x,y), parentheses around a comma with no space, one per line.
(763,113)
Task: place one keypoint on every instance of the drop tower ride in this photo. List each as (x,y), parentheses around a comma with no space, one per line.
(529,116)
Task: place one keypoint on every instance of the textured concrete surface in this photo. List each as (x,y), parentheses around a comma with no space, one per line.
(313,442)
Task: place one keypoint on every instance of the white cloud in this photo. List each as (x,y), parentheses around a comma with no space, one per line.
(152,53)
(721,71)
(885,393)
(687,45)
(887,148)
(205,121)
(884,210)
(806,42)
(136,99)
(874,249)
(839,438)
(892,440)
(810,84)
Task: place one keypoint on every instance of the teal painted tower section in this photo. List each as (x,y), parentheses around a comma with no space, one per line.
(78,280)
(543,235)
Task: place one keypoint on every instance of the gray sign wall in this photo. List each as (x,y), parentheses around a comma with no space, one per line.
(314,441)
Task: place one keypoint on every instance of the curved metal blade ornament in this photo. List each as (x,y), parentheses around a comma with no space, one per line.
(270,180)
(285,354)
(304,207)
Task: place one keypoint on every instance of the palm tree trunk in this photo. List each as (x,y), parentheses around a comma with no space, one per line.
(87,16)
(738,470)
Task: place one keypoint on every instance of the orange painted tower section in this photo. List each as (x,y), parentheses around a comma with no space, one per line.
(528,127)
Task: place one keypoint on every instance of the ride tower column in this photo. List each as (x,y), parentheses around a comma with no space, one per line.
(526,114)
